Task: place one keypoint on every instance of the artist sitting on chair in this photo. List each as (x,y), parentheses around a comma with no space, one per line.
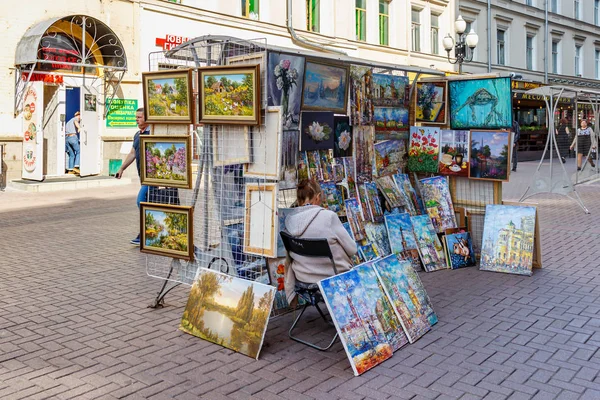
(311,221)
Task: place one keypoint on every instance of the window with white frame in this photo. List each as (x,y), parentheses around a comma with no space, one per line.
(529,42)
(576,9)
(554,6)
(501,46)
(435,34)
(578,68)
(597,64)
(416,29)
(596,12)
(555,58)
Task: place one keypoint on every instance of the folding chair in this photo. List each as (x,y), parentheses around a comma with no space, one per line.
(317,248)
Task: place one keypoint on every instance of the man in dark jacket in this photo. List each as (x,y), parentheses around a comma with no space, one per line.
(517,131)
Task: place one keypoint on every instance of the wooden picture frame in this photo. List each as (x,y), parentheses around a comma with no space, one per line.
(231,145)
(474,161)
(260,220)
(163,102)
(439,115)
(155,151)
(314,73)
(218,95)
(266,147)
(150,216)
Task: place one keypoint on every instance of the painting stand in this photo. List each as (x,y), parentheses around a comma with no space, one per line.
(549,184)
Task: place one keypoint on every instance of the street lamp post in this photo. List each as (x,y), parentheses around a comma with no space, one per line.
(464,47)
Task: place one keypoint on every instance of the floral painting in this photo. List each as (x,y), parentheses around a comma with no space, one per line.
(363,153)
(317,130)
(377,235)
(286,74)
(402,239)
(361,95)
(167,230)
(431,102)
(454,153)
(430,247)
(325,87)
(228,311)
(460,250)
(424,149)
(390,122)
(438,203)
(408,297)
(480,103)
(353,308)
(490,155)
(390,90)
(276,271)
(508,239)
(389,156)
(343,137)
(166,161)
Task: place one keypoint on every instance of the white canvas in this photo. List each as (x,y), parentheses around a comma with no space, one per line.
(261,220)
(266,147)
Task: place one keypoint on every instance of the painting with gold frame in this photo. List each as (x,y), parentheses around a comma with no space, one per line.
(167,230)
(166,161)
(168,97)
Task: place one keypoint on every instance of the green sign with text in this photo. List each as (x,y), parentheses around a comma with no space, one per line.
(121,113)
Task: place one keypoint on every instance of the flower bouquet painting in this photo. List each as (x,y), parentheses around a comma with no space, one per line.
(343,137)
(431,102)
(286,74)
(424,149)
(166,161)
(317,130)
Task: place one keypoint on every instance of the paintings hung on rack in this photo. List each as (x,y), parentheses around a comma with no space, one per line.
(166,161)
(260,222)
(431,102)
(352,303)
(480,103)
(230,94)
(390,122)
(508,235)
(325,87)
(286,75)
(168,97)
(460,250)
(342,146)
(228,311)
(454,153)
(377,235)
(402,238)
(326,157)
(407,294)
(429,245)
(167,230)
(438,203)
(424,149)
(363,153)
(361,95)
(316,130)
(390,90)
(490,155)
(389,155)
(355,218)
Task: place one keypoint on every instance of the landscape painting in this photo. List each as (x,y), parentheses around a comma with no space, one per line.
(389,155)
(460,250)
(167,230)
(286,74)
(402,238)
(389,120)
(408,297)
(390,90)
(508,234)
(229,311)
(431,102)
(353,308)
(342,145)
(480,103)
(316,130)
(167,97)
(325,87)
(230,95)
(430,247)
(454,153)
(424,149)
(490,155)
(438,203)
(166,161)
(361,95)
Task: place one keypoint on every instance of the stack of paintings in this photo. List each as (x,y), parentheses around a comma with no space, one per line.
(355,218)
(374,204)
(430,247)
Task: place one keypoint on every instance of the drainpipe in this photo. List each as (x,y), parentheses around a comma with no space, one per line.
(300,41)
(546,33)
(489,34)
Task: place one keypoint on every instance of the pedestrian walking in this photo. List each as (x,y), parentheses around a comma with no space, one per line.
(583,140)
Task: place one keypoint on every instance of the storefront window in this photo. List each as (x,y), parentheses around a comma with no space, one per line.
(361,20)
(250,9)
(313,15)
(384,23)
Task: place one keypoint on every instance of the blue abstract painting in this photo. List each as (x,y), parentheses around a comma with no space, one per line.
(480,103)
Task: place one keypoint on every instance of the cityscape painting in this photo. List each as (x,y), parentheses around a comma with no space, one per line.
(430,247)
(402,239)
(390,90)
(490,155)
(438,203)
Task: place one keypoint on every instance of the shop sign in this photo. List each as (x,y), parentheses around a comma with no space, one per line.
(47,78)
(525,85)
(121,113)
(170,41)
(537,97)
(58,57)
(32,132)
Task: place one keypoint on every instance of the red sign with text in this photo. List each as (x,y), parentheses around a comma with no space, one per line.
(170,41)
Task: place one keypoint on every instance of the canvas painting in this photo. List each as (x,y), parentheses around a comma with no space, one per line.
(167,230)
(430,247)
(325,87)
(355,218)
(508,235)
(332,197)
(366,252)
(390,90)
(460,250)
(338,171)
(350,183)
(260,222)
(353,308)
(438,203)
(314,165)
(377,235)
(276,271)
(390,122)
(407,193)
(390,191)
(408,297)
(490,155)
(286,75)
(316,130)
(355,258)
(424,149)
(168,97)
(266,148)
(166,161)
(282,214)
(402,239)
(326,157)
(228,311)
(454,153)
(374,204)
(364,204)
(230,94)
(361,95)
(480,103)
(389,155)
(431,102)
(303,162)
(342,145)
(363,153)
(290,148)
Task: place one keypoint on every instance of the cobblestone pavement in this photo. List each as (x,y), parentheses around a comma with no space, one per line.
(74,322)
